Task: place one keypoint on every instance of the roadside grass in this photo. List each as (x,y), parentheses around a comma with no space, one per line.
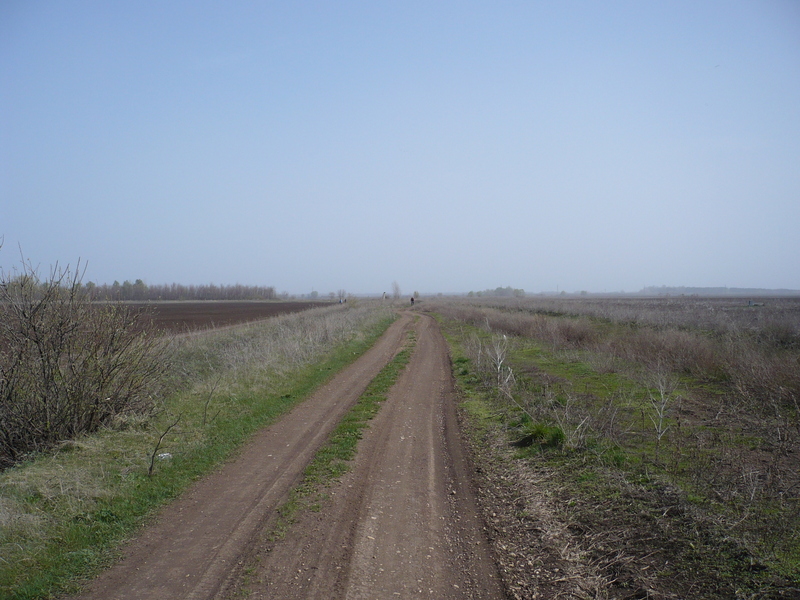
(651,464)
(64,515)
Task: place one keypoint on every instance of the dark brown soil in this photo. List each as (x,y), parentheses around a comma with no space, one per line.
(180,317)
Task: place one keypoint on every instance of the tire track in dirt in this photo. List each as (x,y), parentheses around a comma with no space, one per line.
(196,542)
(403,523)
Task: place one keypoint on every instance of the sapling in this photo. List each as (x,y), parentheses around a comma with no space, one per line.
(660,401)
(158,445)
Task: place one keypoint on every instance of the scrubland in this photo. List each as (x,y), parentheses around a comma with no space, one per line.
(651,444)
(625,448)
(64,508)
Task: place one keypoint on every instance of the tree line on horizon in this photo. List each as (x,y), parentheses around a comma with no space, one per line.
(503,292)
(140,291)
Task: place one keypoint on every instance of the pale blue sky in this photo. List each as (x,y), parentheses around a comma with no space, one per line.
(450,146)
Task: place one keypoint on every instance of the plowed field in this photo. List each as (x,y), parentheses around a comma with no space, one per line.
(180,317)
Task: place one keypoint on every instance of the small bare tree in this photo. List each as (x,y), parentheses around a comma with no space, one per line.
(496,351)
(660,399)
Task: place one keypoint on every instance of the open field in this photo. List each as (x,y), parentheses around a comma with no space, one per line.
(606,449)
(183,316)
(646,448)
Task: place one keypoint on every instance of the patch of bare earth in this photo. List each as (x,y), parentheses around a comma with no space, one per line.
(630,542)
(185,316)
(538,555)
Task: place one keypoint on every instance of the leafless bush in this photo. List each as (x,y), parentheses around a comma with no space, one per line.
(680,351)
(660,391)
(496,350)
(67,366)
(573,420)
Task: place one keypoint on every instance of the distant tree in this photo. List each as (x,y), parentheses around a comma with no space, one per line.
(139,291)
(342,294)
(396,291)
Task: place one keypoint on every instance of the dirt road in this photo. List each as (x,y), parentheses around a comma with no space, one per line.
(402,524)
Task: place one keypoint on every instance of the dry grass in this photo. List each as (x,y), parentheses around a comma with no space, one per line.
(661,411)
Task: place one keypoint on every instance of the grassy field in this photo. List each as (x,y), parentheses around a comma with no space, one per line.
(63,515)
(662,433)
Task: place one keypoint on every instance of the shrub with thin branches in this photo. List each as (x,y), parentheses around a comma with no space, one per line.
(68,366)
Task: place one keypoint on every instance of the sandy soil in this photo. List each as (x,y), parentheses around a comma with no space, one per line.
(402,524)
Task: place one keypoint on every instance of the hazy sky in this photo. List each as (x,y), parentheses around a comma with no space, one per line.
(450,146)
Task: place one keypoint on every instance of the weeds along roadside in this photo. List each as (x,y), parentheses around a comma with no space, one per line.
(705,472)
(62,515)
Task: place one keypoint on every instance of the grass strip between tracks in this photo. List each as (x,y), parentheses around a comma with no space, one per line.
(332,460)
(78,547)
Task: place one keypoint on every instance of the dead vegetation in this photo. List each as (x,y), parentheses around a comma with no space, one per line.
(663,455)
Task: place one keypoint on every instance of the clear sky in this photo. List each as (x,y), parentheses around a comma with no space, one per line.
(448,146)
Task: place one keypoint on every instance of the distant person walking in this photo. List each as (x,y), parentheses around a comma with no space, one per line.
(412,300)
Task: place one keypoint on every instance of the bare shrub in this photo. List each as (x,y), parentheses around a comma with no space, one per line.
(573,421)
(67,366)
(680,351)
(660,392)
(764,380)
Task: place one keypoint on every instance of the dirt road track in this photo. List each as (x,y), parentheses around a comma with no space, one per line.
(401,524)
